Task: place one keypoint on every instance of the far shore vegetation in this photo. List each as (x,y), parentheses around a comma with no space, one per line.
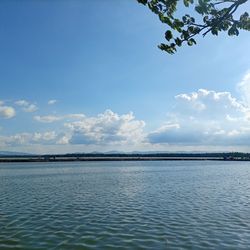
(227,156)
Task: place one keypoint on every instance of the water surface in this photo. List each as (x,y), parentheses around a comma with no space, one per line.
(125,205)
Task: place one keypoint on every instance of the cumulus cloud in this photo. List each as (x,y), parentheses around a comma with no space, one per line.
(244,88)
(106,128)
(26,106)
(64,139)
(6,112)
(209,104)
(22,139)
(205,117)
(51,102)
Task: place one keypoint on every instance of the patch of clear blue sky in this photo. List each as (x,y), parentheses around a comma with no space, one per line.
(93,54)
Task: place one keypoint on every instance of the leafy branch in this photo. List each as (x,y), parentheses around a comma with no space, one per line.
(216,16)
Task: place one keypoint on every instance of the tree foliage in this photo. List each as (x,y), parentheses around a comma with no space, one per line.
(212,16)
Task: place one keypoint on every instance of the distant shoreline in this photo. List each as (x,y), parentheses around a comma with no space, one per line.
(233,156)
(141,158)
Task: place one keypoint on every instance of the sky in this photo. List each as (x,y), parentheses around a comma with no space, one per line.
(84,76)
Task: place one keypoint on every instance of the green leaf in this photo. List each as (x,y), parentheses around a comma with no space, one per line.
(233,31)
(216,16)
(165,19)
(142,1)
(178,41)
(186,3)
(214,32)
(205,19)
(167,48)
(199,9)
(190,43)
(192,40)
(168,35)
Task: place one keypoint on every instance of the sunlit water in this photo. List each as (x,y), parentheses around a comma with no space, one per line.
(125,205)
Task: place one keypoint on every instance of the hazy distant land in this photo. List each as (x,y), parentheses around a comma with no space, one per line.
(234,156)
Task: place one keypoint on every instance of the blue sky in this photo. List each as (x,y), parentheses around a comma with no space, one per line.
(113,89)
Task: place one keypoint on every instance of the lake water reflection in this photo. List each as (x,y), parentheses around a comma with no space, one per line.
(125,205)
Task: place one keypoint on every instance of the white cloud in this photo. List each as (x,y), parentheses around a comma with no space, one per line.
(6,112)
(107,128)
(51,102)
(244,88)
(46,136)
(22,103)
(64,139)
(22,139)
(201,119)
(55,118)
(209,103)
(30,108)
(47,118)
(26,106)
(104,129)
(205,117)
(74,116)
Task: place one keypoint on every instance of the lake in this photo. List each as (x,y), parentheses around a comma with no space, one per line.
(125,205)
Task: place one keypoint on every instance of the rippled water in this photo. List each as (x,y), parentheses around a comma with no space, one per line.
(125,205)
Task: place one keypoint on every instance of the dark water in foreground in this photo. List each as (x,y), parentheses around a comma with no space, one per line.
(125,205)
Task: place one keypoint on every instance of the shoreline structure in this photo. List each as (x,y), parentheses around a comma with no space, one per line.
(128,157)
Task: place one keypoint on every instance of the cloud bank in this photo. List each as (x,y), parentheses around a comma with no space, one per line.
(107,128)
(203,118)
(21,139)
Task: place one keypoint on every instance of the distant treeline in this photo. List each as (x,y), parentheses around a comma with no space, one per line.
(96,155)
(228,154)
